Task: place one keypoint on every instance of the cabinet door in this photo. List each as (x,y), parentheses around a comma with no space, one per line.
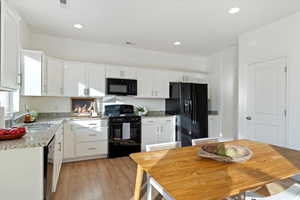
(115,71)
(58,157)
(69,142)
(74,79)
(10,48)
(150,130)
(145,83)
(32,71)
(161,85)
(167,130)
(54,77)
(214,126)
(96,80)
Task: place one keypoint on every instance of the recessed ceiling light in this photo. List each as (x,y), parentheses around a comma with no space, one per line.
(234,10)
(177,43)
(78,26)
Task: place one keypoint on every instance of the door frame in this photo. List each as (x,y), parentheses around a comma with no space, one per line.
(243,104)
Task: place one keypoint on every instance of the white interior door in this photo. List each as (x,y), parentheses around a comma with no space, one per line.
(266,102)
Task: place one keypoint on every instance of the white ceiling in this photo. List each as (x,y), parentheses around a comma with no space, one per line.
(202,26)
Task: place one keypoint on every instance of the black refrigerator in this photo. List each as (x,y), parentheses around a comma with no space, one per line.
(189,102)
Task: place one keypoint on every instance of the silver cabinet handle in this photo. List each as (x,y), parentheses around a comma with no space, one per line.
(93,135)
(60,147)
(92,148)
(92,124)
(249,118)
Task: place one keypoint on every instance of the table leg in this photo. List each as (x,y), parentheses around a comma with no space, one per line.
(138,182)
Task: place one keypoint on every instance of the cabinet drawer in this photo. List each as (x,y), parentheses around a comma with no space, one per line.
(90,134)
(89,123)
(167,120)
(150,121)
(91,148)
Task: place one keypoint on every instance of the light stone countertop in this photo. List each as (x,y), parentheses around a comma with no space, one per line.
(40,135)
(34,137)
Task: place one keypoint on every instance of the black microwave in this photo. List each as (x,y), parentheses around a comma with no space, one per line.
(121,87)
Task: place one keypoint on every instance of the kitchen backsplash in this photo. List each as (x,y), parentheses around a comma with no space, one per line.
(63,104)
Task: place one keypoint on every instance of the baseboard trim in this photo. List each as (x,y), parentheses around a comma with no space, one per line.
(67,160)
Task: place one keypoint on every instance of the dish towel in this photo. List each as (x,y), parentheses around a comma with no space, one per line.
(126,131)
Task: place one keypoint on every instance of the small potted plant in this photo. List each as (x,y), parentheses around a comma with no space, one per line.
(141,111)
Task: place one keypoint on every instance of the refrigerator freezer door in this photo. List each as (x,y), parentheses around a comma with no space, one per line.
(199,111)
(186,114)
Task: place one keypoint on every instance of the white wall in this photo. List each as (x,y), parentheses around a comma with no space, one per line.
(224,89)
(77,50)
(279,39)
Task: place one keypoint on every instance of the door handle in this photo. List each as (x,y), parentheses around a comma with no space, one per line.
(249,118)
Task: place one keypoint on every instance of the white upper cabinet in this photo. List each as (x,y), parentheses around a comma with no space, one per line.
(144,83)
(54,77)
(32,73)
(96,80)
(160,84)
(9,48)
(153,84)
(83,79)
(115,71)
(74,79)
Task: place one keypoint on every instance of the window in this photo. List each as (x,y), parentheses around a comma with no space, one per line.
(10,100)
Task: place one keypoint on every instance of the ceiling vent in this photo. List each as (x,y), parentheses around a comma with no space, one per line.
(63,3)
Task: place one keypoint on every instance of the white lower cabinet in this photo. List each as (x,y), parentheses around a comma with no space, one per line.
(158,130)
(91,148)
(58,156)
(214,126)
(86,138)
(69,142)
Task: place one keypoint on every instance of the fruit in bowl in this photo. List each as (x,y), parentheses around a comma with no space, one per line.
(12,131)
(221,149)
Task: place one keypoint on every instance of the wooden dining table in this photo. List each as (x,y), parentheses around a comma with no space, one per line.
(186,176)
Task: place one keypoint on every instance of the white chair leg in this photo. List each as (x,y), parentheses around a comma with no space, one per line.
(149,189)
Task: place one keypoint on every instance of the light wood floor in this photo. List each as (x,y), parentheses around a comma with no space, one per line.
(102,179)
(112,179)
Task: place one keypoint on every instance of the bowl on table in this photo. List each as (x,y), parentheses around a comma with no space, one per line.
(225,152)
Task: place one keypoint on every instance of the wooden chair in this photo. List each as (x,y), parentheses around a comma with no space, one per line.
(204,141)
(292,193)
(150,181)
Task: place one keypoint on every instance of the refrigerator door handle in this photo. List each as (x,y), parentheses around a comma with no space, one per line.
(192,111)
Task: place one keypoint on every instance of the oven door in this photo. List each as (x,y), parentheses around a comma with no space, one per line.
(121,87)
(123,144)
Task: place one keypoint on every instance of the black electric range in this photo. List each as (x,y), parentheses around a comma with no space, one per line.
(124,130)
